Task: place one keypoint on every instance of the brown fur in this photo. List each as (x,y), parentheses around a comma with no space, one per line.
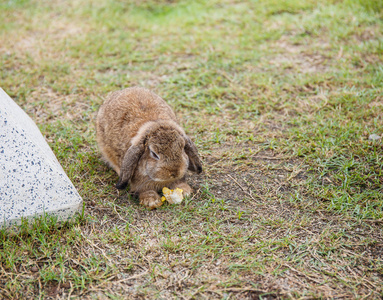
(134,123)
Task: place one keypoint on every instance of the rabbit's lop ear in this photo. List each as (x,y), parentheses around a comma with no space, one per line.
(195,164)
(129,165)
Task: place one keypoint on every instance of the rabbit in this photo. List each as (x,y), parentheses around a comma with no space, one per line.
(140,138)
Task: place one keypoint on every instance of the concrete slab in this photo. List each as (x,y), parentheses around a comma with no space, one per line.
(32,181)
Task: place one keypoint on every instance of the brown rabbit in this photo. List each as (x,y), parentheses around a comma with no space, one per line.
(139,136)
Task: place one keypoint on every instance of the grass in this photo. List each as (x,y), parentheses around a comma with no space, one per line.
(280,98)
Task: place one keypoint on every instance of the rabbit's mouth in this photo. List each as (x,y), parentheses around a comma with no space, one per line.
(162,180)
(163,176)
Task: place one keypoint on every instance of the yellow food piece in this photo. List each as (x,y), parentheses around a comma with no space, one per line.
(167,191)
(163,199)
(172,196)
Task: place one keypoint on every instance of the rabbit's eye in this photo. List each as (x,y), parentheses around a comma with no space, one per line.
(154,155)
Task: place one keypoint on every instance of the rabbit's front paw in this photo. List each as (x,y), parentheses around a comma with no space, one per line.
(187,190)
(150,199)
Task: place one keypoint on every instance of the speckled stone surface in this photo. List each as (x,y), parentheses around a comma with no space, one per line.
(32,181)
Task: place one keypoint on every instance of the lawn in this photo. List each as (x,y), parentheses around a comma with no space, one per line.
(280,98)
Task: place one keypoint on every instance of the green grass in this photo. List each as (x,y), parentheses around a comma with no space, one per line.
(280,98)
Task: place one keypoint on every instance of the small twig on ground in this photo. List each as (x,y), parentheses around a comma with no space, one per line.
(294,173)
(303,274)
(243,189)
(272,157)
(119,216)
(374,221)
(132,277)
(101,250)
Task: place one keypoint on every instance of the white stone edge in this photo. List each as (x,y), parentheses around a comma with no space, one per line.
(63,214)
